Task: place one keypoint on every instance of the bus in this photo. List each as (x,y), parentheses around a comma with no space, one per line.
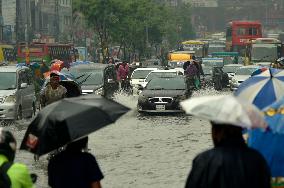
(47,52)
(199,47)
(264,50)
(239,33)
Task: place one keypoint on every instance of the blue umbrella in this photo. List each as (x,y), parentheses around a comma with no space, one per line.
(274,116)
(262,90)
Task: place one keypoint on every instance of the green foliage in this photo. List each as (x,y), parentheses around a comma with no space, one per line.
(136,25)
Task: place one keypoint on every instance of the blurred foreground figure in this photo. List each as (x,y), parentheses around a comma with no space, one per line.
(74,168)
(12,175)
(230,164)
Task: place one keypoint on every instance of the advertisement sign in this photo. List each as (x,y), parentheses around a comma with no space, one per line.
(82,51)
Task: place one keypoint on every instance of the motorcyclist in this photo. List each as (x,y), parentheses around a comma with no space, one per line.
(191,75)
(53,91)
(18,174)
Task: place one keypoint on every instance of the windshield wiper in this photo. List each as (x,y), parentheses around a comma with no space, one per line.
(10,88)
(83,81)
(81,76)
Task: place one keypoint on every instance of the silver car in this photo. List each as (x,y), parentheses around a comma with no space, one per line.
(17,93)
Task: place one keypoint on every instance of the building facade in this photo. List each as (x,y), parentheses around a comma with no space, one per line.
(53,19)
(26,20)
(9,20)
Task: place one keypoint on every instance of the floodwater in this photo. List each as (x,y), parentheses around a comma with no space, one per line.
(138,150)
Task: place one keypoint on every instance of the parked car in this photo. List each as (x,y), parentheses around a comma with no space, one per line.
(231,69)
(163,95)
(96,78)
(241,75)
(17,93)
(138,76)
(159,74)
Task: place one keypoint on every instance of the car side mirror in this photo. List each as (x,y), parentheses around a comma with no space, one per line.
(24,85)
(110,81)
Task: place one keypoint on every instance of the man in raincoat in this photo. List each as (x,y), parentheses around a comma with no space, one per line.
(230,164)
(191,75)
(53,91)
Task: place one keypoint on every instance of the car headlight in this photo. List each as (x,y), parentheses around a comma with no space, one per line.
(182,97)
(99,91)
(142,98)
(10,99)
(234,80)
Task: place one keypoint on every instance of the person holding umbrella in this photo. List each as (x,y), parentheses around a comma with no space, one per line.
(74,168)
(231,163)
(55,127)
(53,91)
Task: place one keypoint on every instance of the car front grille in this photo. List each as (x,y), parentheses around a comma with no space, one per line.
(161,100)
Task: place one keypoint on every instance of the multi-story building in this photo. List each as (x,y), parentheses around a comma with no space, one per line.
(24,20)
(9,20)
(53,18)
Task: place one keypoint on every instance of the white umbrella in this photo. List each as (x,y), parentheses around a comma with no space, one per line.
(225,109)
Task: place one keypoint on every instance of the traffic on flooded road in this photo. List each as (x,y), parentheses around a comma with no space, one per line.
(141,93)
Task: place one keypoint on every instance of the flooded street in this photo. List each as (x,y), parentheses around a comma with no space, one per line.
(138,150)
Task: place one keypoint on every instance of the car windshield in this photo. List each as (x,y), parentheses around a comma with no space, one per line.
(230,69)
(89,76)
(267,52)
(166,84)
(207,70)
(8,80)
(140,74)
(245,71)
(216,48)
(159,75)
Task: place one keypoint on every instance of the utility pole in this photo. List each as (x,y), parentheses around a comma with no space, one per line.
(57,22)
(1,22)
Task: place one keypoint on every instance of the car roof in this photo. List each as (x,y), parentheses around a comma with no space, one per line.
(170,70)
(250,67)
(145,69)
(170,77)
(234,65)
(11,68)
(92,66)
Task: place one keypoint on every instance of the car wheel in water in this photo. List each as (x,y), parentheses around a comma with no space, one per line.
(19,113)
(34,109)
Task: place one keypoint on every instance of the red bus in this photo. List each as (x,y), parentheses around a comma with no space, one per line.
(46,51)
(239,33)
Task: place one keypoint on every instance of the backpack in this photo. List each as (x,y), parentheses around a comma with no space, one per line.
(5,181)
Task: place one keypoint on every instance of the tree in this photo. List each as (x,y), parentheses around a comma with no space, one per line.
(137,26)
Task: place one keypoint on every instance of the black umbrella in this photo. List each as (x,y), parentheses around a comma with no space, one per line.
(69,119)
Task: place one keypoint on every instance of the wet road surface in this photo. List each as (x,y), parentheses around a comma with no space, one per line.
(138,150)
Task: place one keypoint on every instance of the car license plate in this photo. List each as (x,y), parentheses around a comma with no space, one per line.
(160,107)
